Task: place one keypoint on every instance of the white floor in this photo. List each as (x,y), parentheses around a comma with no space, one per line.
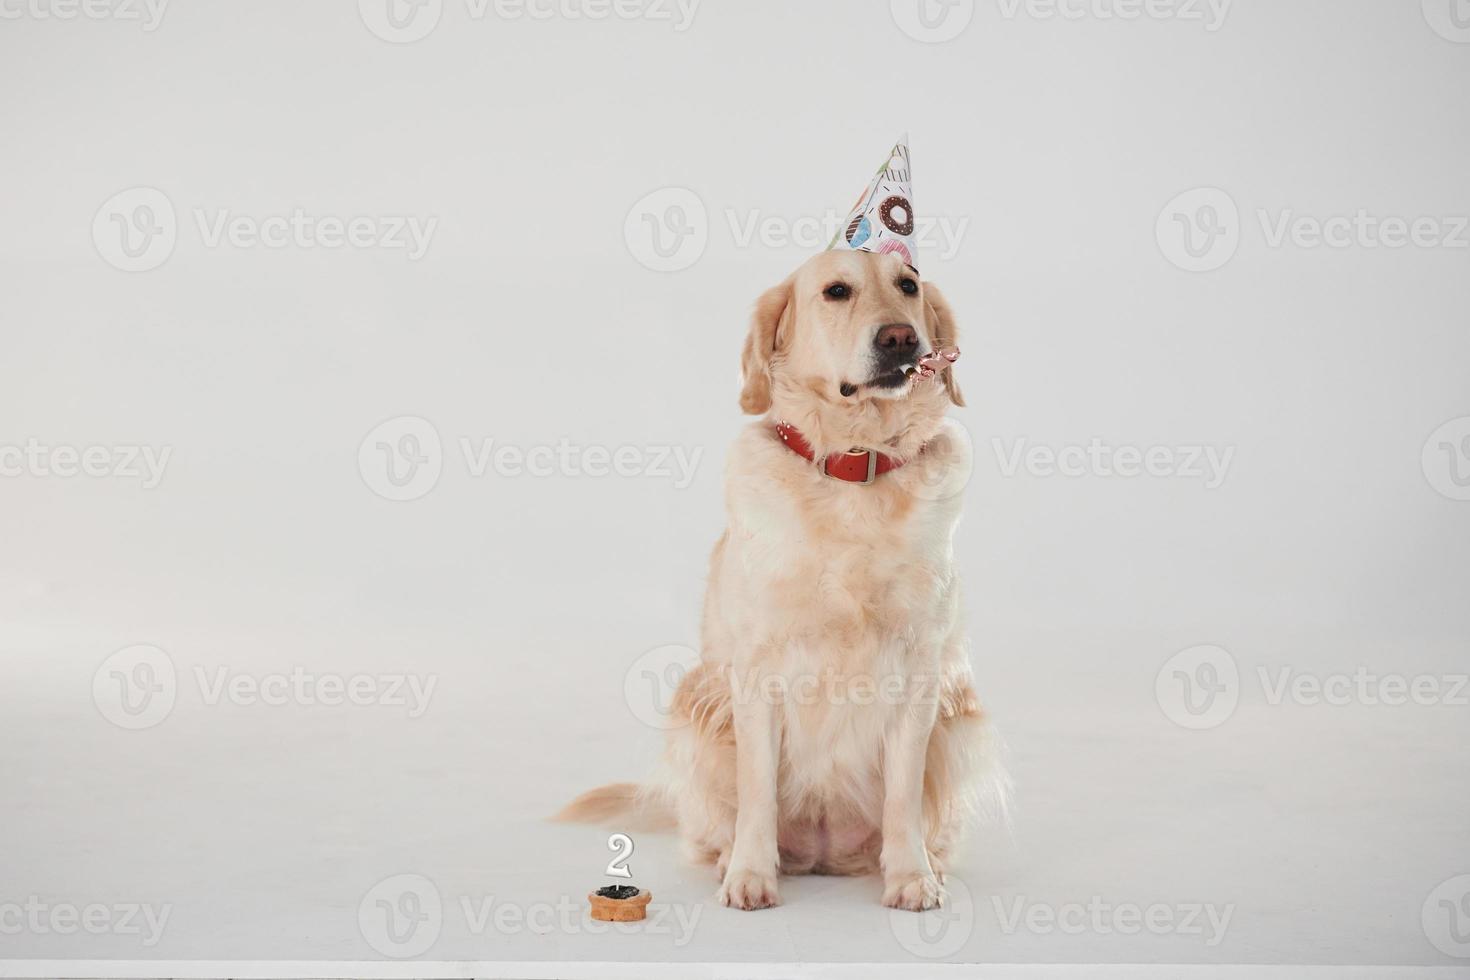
(1289,835)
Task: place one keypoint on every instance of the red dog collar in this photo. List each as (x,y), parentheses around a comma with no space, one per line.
(861,466)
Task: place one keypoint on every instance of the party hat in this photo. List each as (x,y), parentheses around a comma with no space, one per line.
(883,219)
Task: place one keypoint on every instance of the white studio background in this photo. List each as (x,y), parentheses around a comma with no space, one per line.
(1232,234)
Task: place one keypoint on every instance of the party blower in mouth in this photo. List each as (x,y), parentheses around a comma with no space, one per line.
(927,367)
(933,362)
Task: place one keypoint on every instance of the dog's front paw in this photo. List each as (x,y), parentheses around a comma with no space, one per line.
(749,890)
(914,892)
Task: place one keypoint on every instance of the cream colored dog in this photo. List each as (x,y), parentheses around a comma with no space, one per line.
(831,725)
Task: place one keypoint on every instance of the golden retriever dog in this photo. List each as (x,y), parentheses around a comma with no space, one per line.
(831,725)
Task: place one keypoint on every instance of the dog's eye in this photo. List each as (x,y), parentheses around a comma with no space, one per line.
(838,290)
(908,285)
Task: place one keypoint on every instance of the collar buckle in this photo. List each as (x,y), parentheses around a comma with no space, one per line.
(872,468)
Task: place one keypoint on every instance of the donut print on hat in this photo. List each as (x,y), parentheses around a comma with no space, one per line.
(896,245)
(882,221)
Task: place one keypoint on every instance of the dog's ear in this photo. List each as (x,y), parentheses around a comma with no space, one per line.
(942,329)
(767,323)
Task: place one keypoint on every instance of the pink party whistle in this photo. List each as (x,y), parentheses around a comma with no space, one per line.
(936,360)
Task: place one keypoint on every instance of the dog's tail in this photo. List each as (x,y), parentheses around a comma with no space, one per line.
(629,805)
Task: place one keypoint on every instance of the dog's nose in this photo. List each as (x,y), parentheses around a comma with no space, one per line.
(896,338)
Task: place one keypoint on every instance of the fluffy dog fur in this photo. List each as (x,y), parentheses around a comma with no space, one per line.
(831,725)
